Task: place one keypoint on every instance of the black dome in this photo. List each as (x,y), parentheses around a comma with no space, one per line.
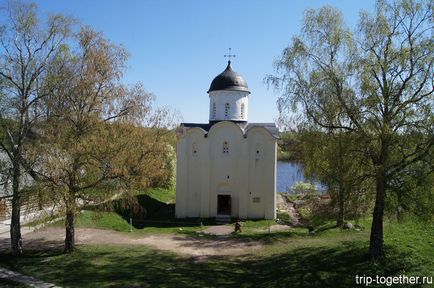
(229,80)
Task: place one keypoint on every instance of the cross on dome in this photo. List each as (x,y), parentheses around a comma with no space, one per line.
(229,55)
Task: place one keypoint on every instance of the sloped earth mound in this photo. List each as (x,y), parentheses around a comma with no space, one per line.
(285,206)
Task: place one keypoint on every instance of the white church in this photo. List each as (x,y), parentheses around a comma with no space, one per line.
(227,167)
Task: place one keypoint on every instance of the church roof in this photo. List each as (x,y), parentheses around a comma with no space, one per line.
(270,127)
(229,80)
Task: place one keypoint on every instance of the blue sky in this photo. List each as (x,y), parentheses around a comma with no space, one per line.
(177,47)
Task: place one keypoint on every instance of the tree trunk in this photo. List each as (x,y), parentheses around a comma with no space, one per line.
(69,225)
(341,214)
(15,230)
(341,189)
(376,248)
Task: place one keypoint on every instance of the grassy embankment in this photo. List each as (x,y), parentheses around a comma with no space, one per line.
(330,258)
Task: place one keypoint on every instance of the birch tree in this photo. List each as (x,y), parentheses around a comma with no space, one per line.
(27,48)
(380,90)
(100,138)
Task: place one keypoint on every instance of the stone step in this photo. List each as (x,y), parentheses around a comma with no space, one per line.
(223,219)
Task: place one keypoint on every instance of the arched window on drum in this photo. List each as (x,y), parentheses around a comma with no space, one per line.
(214,110)
(227,109)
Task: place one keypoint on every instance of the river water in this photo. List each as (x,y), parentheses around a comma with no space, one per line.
(288,174)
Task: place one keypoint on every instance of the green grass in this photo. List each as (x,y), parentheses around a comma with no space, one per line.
(330,258)
(102,220)
(163,195)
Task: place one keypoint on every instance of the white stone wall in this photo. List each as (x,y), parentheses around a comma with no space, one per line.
(247,172)
(235,99)
(6,186)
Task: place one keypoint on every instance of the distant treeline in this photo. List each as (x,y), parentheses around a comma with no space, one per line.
(289,147)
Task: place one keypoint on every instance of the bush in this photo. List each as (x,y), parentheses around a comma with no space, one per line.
(304,188)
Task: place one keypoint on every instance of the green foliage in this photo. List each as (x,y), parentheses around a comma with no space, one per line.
(304,188)
(167,179)
(289,147)
(291,196)
(284,217)
(305,212)
(283,155)
(322,213)
(412,196)
(333,159)
(374,83)
(100,138)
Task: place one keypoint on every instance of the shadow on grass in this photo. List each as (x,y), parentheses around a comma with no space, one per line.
(325,227)
(143,208)
(43,247)
(110,266)
(269,238)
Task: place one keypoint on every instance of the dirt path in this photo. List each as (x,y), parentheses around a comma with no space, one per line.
(53,237)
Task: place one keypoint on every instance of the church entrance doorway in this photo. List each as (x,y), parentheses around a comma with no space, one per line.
(224,204)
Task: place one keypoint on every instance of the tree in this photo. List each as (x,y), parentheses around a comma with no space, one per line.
(397,58)
(412,190)
(331,158)
(92,145)
(316,66)
(379,87)
(27,49)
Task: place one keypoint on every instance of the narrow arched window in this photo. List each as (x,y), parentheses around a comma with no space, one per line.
(194,150)
(227,109)
(225,147)
(214,110)
(258,152)
(243,110)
